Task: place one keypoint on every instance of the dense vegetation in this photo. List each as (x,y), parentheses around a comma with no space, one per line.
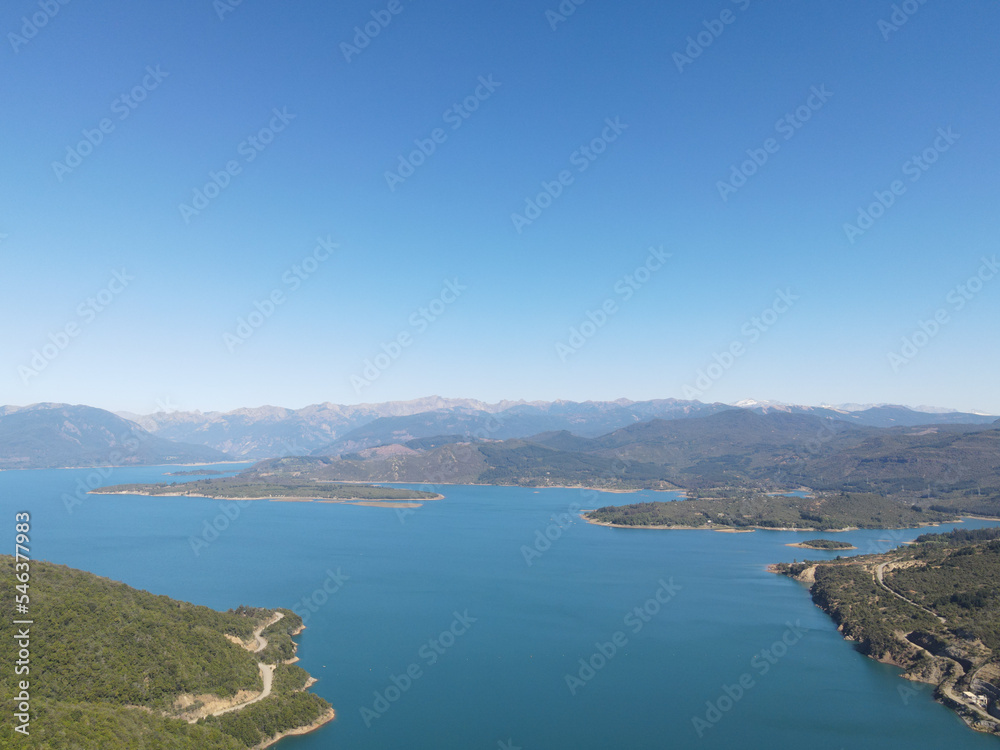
(280,646)
(961,536)
(121,645)
(825,511)
(69,725)
(524,463)
(108,662)
(867,613)
(826,544)
(271,716)
(960,584)
(937,614)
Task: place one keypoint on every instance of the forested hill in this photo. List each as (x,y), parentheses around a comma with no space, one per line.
(115,668)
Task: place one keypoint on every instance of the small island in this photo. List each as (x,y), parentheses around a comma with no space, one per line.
(117,666)
(930,608)
(822,544)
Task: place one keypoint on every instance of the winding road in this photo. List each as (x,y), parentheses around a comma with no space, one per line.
(879,572)
(266,670)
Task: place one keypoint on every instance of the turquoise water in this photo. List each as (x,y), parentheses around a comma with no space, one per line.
(724,632)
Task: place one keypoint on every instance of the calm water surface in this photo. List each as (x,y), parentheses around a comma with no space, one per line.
(441,635)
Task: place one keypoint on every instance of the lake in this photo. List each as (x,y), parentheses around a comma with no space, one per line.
(495,618)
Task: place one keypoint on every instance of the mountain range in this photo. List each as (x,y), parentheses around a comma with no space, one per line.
(766,451)
(58,435)
(664,443)
(331,429)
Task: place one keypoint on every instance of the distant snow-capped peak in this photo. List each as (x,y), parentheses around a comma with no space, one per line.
(749,403)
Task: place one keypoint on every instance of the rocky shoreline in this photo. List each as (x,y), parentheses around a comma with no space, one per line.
(923,657)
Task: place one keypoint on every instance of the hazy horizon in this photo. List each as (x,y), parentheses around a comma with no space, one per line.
(168,407)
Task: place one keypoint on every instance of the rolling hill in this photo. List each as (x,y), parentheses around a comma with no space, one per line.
(952,468)
(60,435)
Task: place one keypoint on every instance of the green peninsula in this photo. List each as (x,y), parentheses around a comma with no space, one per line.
(253,486)
(746,510)
(115,668)
(931,608)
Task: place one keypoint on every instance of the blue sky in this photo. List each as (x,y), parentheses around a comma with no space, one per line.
(502,295)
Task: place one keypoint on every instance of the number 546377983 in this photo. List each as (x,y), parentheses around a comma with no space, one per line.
(22,527)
